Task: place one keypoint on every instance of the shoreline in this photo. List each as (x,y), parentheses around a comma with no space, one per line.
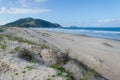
(80,35)
(89,33)
(23,48)
(98,53)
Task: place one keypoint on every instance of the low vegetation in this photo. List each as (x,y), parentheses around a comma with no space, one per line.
(67,51)
(23,71)
(3,45)
(61,71)
(21,40)
(2,42)
(1,37)
(107,44)
(1,29)
(46,34)
(26,55)
(17,48)
(29,68)
(89,73)
(16,73)
(48,78)
(43,46)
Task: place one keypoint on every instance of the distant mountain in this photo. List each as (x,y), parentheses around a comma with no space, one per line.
(34,23)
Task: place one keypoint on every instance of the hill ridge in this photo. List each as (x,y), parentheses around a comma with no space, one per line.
(34,23)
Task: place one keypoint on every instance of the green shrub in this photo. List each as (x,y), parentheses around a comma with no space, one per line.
(29,68)
(17,48)
(16,73)
(23,71)
(48,79)
(60,70)
(3,45)
(1,37)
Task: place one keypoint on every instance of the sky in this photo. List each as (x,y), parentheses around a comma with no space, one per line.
(82,13)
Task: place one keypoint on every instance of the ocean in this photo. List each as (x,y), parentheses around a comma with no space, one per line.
(108,33)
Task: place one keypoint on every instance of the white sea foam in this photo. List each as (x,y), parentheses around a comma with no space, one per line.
(93,33)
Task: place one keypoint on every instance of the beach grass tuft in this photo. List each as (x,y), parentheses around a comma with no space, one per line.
(107,44)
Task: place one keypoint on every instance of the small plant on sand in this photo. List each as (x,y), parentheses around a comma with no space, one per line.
(67,51)
(1,29)
(23,71)
(43,46)
(60,70)
(108,44)
(26,55)
(29,68)
(32,61)
(1,37)
(2,42)
(3,45)
(16,73)
(48,78)
(17,48)
(46,34)
(89,73)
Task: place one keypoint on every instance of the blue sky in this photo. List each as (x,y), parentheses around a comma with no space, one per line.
(85,13)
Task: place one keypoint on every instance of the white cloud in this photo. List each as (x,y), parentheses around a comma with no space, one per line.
(23,3)
(24,7)
(2,10)
(40,1)
(108,20)
(22,11)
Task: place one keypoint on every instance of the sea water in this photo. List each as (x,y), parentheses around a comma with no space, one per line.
(109,33)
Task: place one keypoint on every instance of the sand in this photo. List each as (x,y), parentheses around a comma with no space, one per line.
(103,55)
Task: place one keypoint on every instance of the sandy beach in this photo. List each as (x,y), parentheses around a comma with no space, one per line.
(35,52)
(103,55)
(59,39)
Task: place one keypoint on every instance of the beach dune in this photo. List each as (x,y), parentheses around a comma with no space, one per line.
(38,50)
(103,55)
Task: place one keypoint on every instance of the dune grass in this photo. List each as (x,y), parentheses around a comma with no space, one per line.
(107,44)
(2,42)
(19,39)
(1,29)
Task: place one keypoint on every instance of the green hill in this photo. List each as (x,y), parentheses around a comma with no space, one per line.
(34,23)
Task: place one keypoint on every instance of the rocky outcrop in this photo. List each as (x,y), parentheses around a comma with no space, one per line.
(26,55)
